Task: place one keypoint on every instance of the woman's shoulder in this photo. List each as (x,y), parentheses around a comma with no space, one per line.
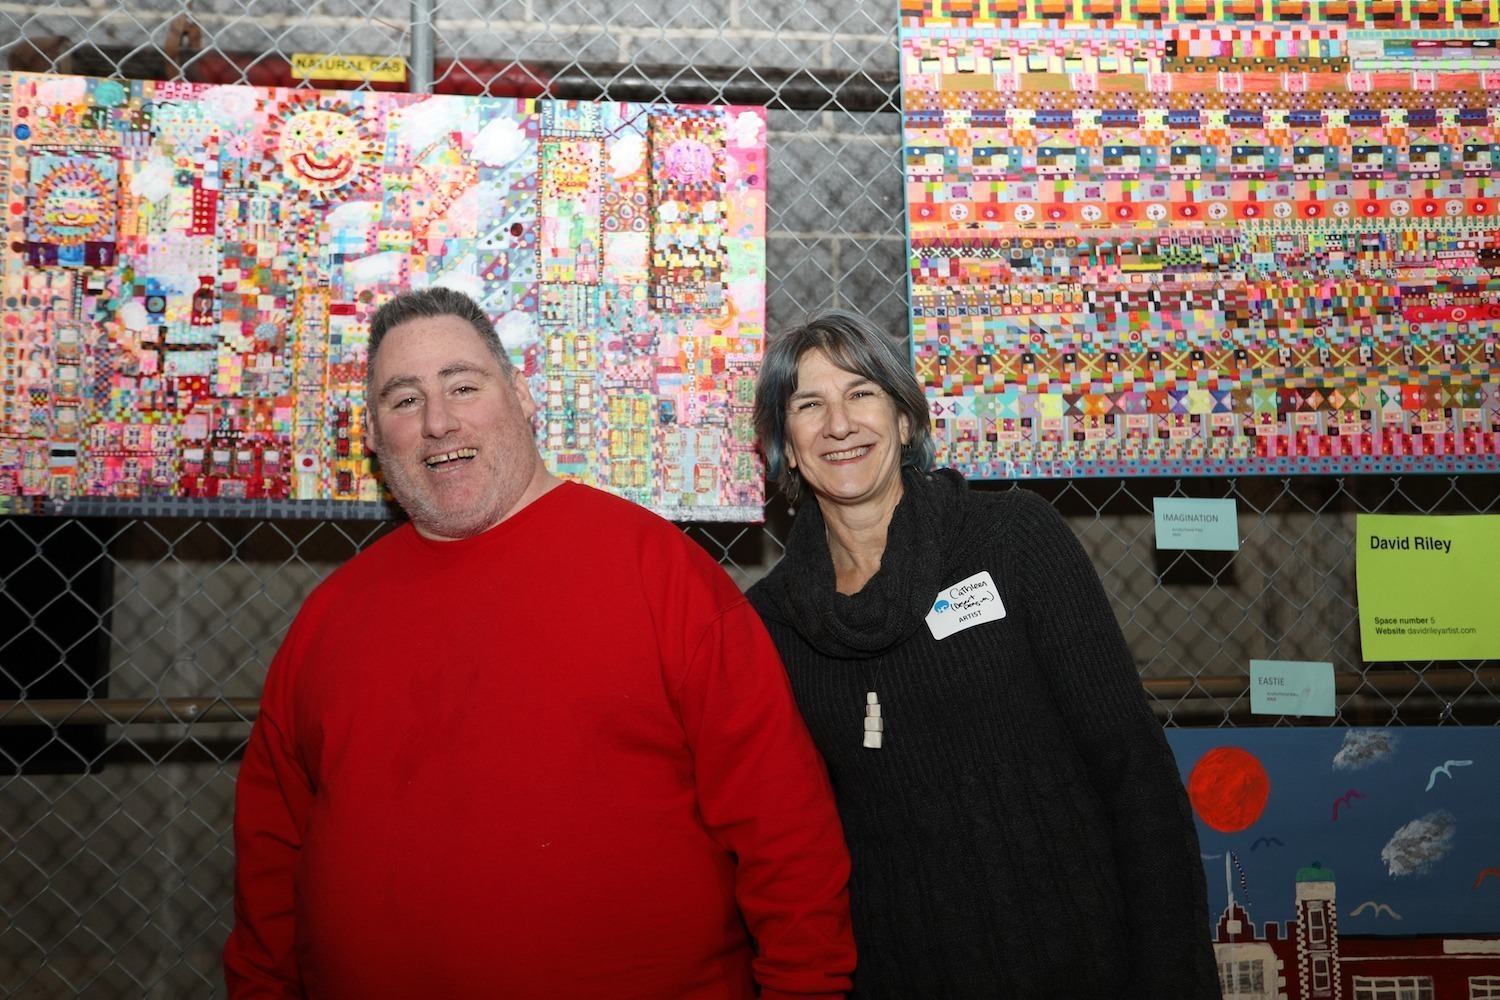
(1008,517)
(1008,503)
(769,596)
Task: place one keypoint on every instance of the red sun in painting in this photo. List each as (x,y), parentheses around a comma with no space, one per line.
(1228,789)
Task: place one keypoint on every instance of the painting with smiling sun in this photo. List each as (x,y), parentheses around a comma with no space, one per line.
(1348,862)
(323,146)
(193,268)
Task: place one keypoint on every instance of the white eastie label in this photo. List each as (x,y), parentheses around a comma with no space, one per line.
(965,604)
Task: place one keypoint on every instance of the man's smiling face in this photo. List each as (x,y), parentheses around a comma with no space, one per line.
(452,428)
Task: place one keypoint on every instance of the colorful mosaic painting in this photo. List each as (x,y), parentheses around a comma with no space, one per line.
(189,271)
(1167,237)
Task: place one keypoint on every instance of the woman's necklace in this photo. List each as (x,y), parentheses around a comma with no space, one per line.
(874,722)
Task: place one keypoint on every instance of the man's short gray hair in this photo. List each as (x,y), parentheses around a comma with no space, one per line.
(430,303)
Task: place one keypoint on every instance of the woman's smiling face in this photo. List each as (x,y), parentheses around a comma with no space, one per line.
(844,434)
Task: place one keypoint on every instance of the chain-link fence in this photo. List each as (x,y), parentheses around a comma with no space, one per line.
(132,651)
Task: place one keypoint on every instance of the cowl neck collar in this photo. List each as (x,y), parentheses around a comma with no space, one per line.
(895,601)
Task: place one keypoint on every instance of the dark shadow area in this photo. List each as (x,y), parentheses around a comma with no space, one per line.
(56,589)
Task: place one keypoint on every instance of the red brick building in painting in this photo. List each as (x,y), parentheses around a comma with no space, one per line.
(1307,959)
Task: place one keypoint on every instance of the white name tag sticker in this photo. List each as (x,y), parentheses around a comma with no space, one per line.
(965,604)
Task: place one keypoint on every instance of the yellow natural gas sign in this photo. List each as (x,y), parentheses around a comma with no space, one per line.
(323,66)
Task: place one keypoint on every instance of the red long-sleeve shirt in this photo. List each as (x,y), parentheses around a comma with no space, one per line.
(559,759)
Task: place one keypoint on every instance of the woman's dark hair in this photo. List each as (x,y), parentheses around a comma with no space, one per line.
(855,345)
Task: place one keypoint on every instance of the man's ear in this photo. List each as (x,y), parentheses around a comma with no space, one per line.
(372,439)
(523,393)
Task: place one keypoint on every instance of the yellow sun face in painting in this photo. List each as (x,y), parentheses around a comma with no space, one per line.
(73,206)
(568,167)
(322,150)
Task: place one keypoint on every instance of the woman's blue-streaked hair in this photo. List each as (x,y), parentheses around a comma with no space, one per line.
(855,345)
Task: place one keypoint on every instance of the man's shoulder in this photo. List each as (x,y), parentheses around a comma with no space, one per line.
(593,503)
(622,531)
(593,497)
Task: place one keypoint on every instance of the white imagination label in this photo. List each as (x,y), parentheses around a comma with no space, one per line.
(965,604)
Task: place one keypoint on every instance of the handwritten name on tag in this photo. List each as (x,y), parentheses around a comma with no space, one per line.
(965,604)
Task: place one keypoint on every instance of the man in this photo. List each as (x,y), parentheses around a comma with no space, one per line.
(532,744)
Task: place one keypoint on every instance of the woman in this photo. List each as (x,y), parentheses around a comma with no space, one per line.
(1016,821)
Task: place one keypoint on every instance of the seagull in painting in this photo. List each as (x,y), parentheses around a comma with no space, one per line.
(1347,799)
(1443,770)
(1379,908)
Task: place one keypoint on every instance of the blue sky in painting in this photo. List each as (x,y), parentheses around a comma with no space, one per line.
(1298,826)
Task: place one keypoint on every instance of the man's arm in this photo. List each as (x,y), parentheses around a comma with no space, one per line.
(764,795)
(272,799)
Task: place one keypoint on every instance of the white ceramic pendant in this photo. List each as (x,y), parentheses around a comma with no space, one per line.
(874,723)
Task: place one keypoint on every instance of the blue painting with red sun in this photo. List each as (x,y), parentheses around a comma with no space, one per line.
(1403,824)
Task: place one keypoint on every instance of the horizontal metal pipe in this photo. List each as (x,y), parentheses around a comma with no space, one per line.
(1175,695)
(127,711)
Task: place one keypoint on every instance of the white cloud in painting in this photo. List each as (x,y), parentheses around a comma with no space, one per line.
(516,329)
(374,269)
(354,215)
(1420,844)
(231,104)
(500,143)
(422,124)
(745,129)
(1363,747)
(152,180)
(626,155)
(133,316)
(62,90)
